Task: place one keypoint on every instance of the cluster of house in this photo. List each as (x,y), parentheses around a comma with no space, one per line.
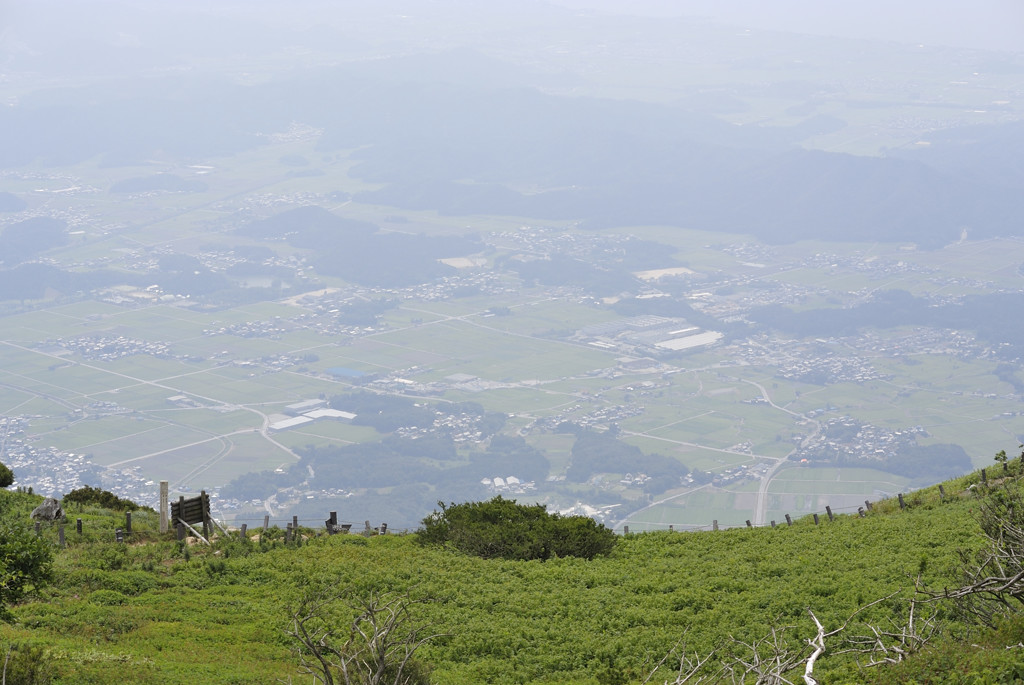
(740,474)
(105,348)
(855,440)
(54,473)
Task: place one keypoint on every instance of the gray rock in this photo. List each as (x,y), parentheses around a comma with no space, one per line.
(49,510)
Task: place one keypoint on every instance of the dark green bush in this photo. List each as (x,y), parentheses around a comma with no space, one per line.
(26,664)
(502,528)
(102,498)
(6,476)
(107,597)
(26,562)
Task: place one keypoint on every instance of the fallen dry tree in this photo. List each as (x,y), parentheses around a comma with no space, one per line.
(777,658)
(899,639)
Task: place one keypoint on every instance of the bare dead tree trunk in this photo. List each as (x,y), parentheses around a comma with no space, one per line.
(377,648)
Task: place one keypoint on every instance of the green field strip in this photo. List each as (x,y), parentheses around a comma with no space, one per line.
(245,453)
(139,397)
(210,420)
(381,353)
(342,356)
(495,355)
(83,380)
(87,310)
(778,449)
(157,323)
(592,387)
(175,464)
(149,368)
(515,400)
(41,388)
(237,391)
(699,508)
(694,456)
(545,317)
(746,487)
(116,439)
(19,361)
(43,324)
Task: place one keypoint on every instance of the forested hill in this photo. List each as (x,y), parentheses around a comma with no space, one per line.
(155,610)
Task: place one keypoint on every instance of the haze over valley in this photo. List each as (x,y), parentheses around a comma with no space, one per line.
(661,268)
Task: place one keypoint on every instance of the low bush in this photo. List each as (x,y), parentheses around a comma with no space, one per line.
(102,498)
(501,528)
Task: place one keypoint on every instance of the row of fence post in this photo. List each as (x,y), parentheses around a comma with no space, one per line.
(861,512)
(333,527)
(119,533)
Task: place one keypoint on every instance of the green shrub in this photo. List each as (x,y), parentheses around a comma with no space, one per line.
(102,498)
(26,562)
(107,597)
(501,528)
(26,664)
(6,476)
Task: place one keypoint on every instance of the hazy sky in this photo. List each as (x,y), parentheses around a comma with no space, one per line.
(982,24)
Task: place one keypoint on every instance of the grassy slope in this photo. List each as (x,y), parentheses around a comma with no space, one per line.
(144,612)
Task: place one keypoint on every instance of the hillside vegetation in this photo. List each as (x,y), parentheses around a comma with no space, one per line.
(155,610)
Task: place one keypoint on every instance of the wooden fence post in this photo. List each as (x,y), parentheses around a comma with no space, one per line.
(789,521)
(815,519)
(241,533)
(128,522)
(204,501)
(828,510)
(749,525)
(670,529)
(266,522)
(942,493)
(625,530)
(181,531)
(163,506)
(903,505)
(78,526)
(984,477)
(60,534)
(714,524)
(867,505)
(773,523)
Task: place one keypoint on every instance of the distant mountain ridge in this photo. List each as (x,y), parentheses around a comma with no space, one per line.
(461,149)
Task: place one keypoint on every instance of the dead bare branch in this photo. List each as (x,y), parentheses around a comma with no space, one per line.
(993,577)
(378,647)
(894,644)
(690,666)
